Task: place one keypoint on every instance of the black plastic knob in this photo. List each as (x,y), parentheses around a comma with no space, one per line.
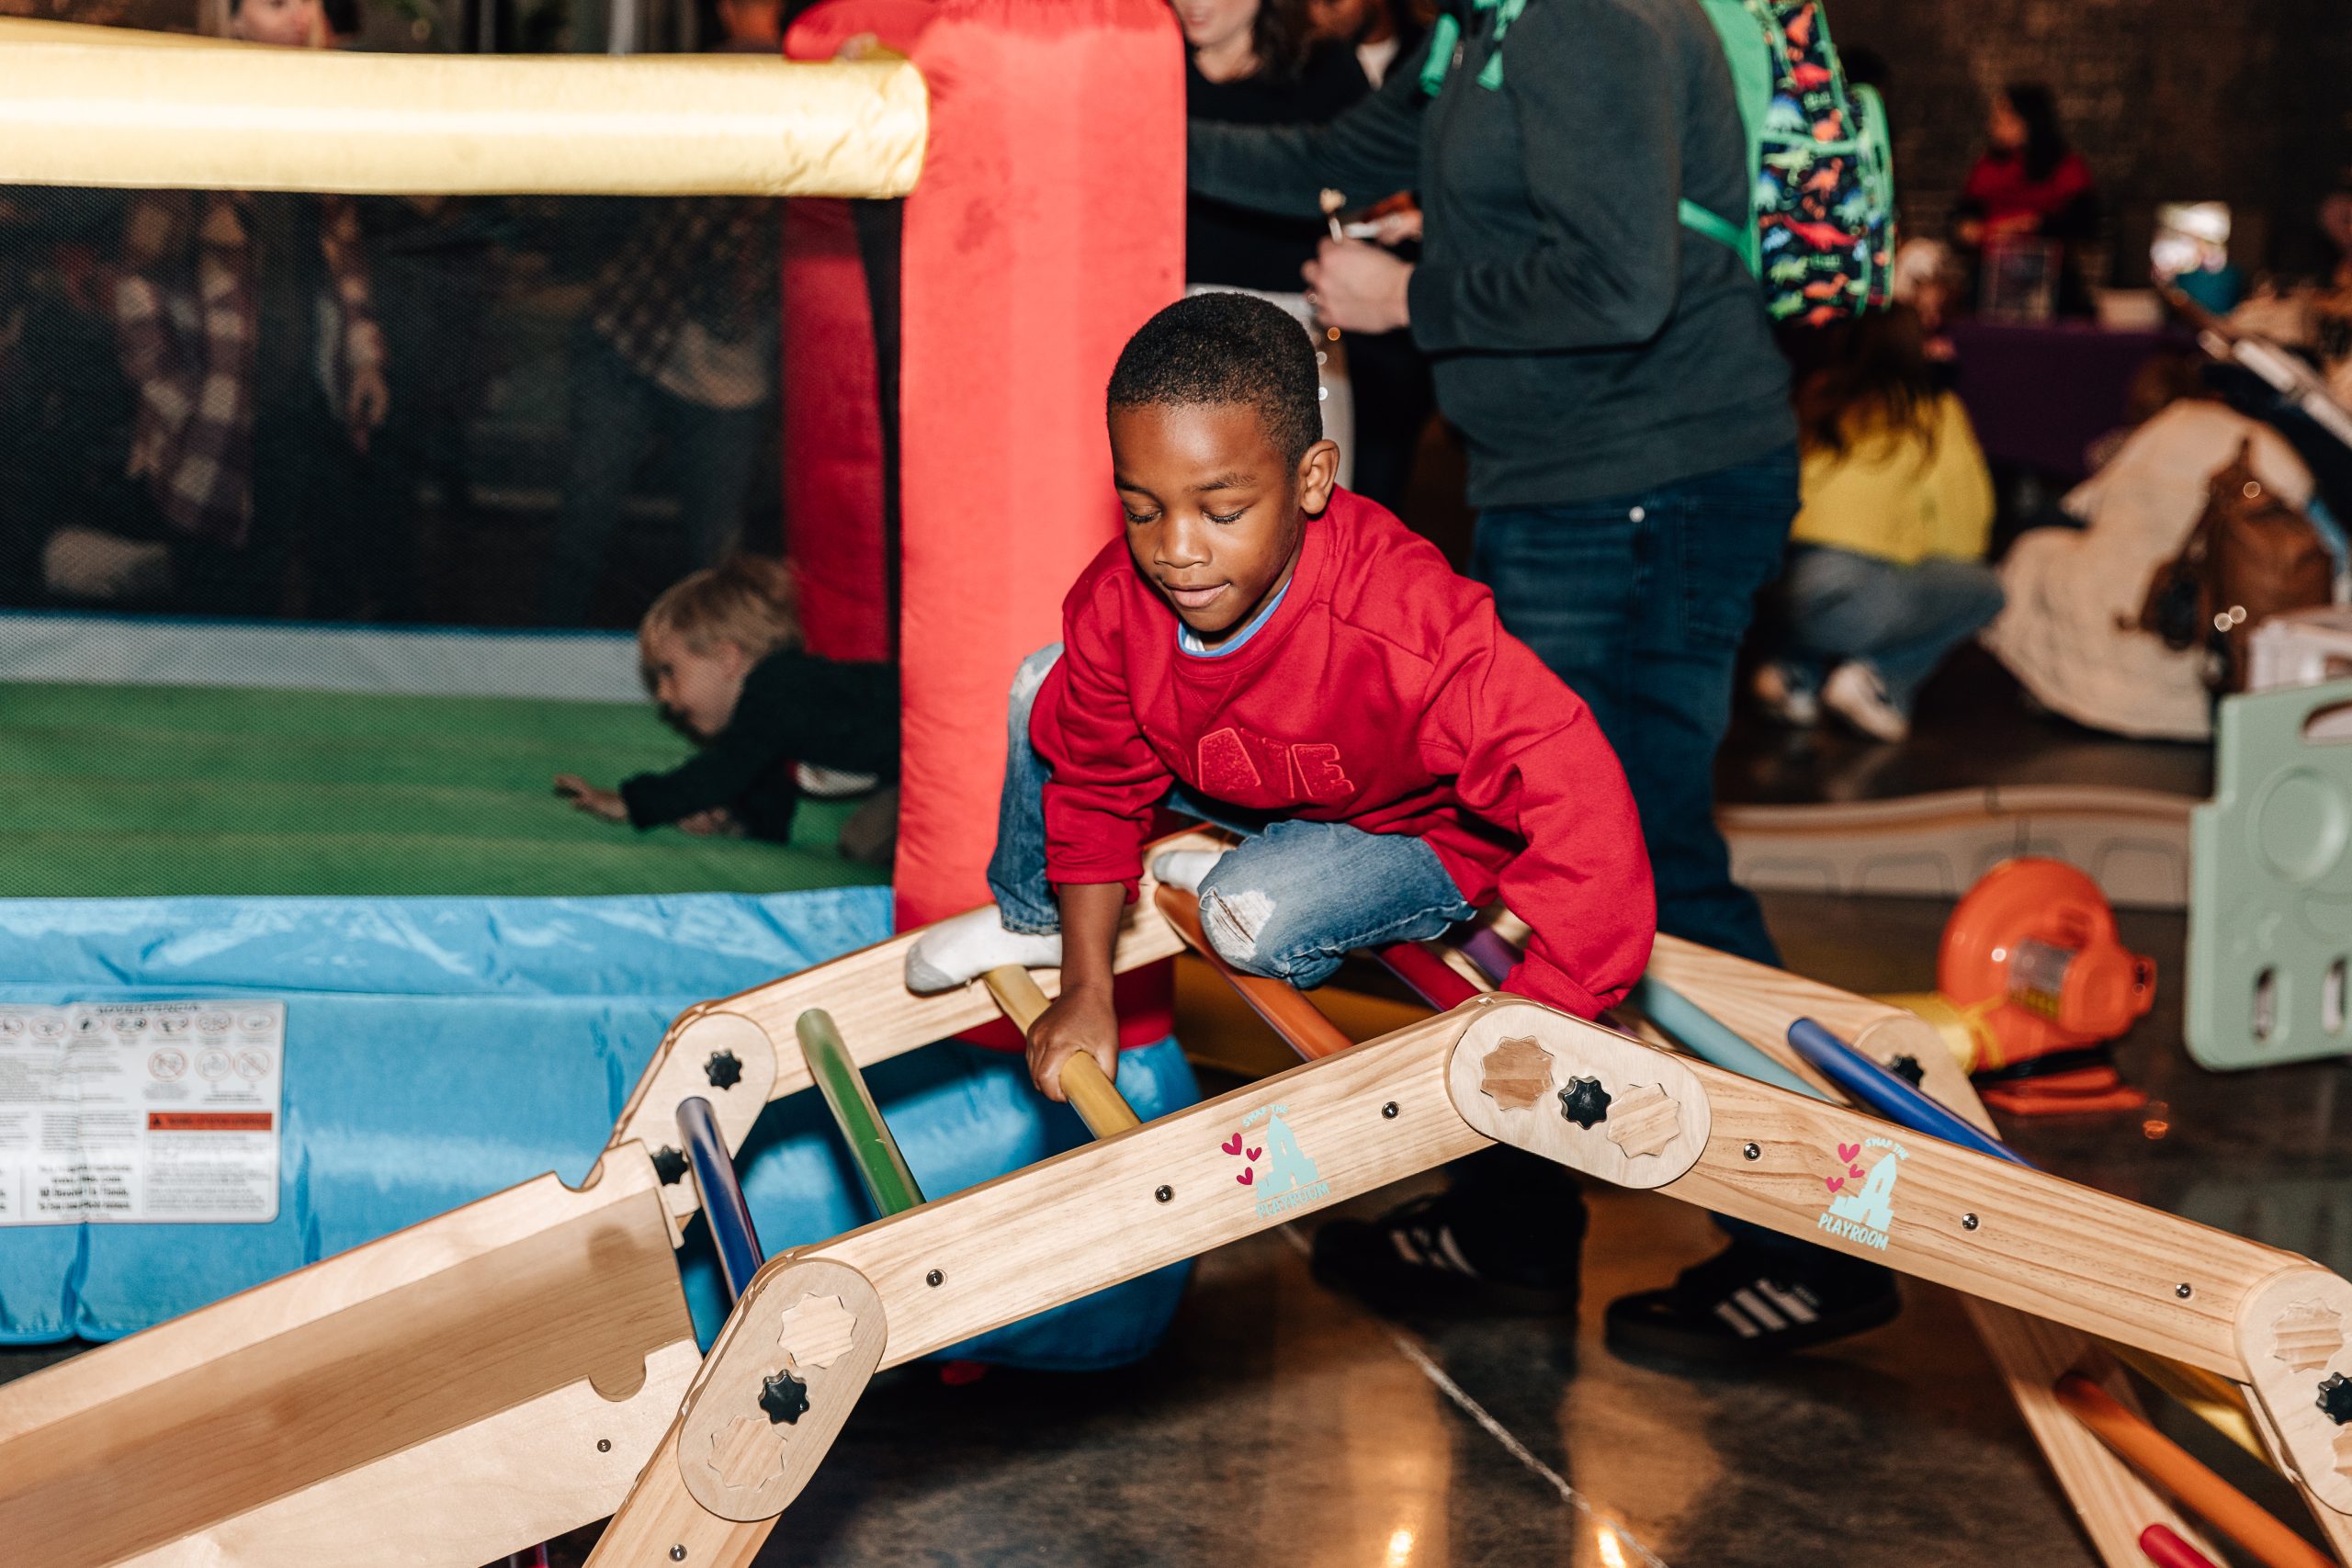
(784,1397)
(2335,1398)
(1585,1102)
(1909,1069)
(724,1069)
(670,1166)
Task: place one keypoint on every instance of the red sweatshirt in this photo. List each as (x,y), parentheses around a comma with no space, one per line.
(1382,692)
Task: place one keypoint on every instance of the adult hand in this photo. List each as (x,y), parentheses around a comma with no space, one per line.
(599,803)
(365,404)
(1082,1020)
(1358,288)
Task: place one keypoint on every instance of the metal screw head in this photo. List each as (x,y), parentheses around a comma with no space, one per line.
(2182,1291)
(678,1553)
(933,1278)
(1389,1110)
(1749,1151)
(1163,1194)
(603,1445)
(1968,1221)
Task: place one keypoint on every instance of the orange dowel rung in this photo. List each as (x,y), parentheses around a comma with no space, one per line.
(1289,1012)
(2167,1464)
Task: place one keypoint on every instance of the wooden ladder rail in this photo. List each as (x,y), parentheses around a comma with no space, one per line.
(1412,1099)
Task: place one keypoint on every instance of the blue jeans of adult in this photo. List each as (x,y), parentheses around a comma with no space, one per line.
(1289,901)
(616,411)
(1639,601)
(1899,620)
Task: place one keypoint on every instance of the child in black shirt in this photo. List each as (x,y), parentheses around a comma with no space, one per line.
(721,652)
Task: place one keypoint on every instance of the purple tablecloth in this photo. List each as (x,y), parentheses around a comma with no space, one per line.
(2038,395)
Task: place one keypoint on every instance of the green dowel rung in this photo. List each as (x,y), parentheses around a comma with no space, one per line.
(871,1148)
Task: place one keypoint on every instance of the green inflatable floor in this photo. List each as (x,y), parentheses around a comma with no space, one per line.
(129,791)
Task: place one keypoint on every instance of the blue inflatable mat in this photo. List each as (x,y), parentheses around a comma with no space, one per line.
(438,1050)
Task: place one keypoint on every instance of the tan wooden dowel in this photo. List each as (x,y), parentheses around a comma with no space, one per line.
(1098,1103)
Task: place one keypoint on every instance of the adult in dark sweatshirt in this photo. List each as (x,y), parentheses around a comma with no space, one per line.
(1633,457)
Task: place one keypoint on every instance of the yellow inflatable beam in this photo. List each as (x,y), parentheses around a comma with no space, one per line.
(108,106)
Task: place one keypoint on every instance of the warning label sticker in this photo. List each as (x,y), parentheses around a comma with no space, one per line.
(149,1112)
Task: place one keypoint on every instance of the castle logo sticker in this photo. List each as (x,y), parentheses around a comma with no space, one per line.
(1862,1199)
(1276,1171)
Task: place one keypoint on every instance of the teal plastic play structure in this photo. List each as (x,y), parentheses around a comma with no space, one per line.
(2270,886)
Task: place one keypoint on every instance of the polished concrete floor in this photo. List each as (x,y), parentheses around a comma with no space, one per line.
(1282,1424)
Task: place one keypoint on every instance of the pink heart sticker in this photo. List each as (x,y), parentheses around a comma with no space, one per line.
(1847,1151)
(1247,1176)
(1834,1182)
(1251,1155)
(1854,1170)
(1232,1145)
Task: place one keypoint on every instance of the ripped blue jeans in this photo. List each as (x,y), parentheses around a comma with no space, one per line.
(1288,902)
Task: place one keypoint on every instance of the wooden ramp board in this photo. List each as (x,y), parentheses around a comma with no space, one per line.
(2134,843)
(364,1410)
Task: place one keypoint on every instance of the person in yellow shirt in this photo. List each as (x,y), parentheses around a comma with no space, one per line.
(1885,570)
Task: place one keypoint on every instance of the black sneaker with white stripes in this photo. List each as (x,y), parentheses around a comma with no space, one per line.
(1750,1303)
(1411,1261)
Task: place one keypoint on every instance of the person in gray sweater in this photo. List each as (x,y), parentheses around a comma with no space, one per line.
(1633,458)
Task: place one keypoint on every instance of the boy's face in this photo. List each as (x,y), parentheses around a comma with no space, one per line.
(292,24)
(1215,514)
(699,689)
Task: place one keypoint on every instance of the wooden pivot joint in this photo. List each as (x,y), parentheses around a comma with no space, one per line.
(795,1354)
(1574,1093)
(2295,1331)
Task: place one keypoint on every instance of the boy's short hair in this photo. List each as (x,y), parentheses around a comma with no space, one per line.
(1226,348)
(749,601)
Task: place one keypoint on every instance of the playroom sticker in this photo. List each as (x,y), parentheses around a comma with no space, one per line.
(1274,1168)
(1861,1200)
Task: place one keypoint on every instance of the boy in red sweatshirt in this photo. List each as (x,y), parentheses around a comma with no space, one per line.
(1269,652)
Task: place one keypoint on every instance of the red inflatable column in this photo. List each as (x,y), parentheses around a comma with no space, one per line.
(1046,225)
(832,438)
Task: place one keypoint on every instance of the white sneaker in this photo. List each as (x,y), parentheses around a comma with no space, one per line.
(1856,695)
(1186,869)
(964,947)
(1792,705)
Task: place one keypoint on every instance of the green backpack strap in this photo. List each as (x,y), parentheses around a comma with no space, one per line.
(1741,240)
(1749,52)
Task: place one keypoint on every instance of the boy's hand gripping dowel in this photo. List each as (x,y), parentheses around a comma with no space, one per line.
(1092,1095)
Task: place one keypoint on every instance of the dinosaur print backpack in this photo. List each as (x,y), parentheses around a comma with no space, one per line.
(1819,234)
